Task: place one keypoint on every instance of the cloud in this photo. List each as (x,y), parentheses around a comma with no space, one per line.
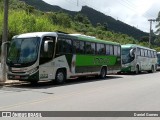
(133,12)
(152,12)
(66,4)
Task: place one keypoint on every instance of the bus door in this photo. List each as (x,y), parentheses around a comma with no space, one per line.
(47,51)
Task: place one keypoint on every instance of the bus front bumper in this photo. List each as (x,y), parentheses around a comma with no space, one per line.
(23,77)
(126,69)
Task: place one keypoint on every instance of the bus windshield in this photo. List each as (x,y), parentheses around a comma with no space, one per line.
(23,51)
(126,58)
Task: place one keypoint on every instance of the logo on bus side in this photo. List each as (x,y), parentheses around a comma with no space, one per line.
(101,60)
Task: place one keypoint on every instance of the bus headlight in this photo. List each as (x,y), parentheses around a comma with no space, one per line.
(33,70)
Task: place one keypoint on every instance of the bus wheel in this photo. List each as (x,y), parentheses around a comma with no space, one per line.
(137,70)
(60,77)
(103,73)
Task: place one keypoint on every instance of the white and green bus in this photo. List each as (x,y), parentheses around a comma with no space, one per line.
(137,58)
(59,56)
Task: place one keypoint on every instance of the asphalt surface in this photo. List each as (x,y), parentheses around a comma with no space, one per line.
(115,93)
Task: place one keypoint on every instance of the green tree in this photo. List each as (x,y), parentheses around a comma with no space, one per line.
(60,18)
(81,18)
(100,26)
(144,39)
(64,20)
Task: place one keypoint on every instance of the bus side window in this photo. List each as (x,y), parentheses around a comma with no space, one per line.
(100,49)
(68,46)
(64,46)
(142,52)
(119,51)
(146,53)
(149,53)
(111,49)
(115,50)
(78,47)
(90,48)
(81,47)
(155,54)
(138,52)
(93,47)
(152,55)
(107,50)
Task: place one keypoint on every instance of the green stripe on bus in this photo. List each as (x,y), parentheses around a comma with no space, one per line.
(91,60)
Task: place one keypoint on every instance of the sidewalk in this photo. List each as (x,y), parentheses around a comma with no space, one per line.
(10,82)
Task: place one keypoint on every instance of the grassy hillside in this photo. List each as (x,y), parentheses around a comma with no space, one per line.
(24,18)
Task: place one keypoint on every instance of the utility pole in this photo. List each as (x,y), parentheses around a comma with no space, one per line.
(150,34)
(77,2)
(4,40)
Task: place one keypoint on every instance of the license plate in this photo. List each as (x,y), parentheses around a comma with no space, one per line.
(17,77)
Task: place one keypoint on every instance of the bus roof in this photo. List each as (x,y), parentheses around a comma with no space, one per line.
(36,34)
(78,36)
(134,45)
(93,39)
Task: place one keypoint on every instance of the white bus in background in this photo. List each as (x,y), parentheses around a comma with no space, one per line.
(158,60)
(137,58)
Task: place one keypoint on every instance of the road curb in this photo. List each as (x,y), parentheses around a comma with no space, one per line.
(9,82)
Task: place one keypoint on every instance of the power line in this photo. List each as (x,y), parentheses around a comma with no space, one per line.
(77,2)
(126,3)
(151,15)
(131,6)
(129,2)
(71,2)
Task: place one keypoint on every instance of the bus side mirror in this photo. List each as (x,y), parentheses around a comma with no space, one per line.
(132,52)
(4,46)
(47,44)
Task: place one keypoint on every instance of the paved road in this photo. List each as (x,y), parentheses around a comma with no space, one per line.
(115,93)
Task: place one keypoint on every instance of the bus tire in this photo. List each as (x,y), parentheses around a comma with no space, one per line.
(137,70)
(60,76)
(103,73)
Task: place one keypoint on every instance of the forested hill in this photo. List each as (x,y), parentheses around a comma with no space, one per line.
(43,6)
(94,16)
(113,25)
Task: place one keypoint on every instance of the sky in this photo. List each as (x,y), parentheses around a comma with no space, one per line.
(133,12)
